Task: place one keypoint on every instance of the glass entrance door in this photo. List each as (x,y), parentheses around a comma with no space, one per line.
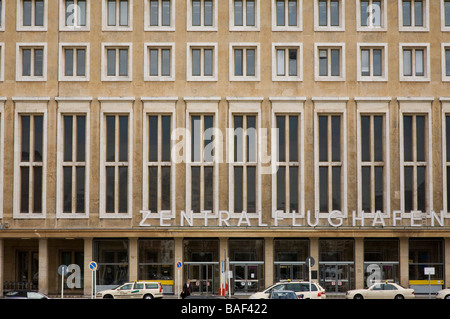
(202,277)
(336,277)
(247,277)
(290,271)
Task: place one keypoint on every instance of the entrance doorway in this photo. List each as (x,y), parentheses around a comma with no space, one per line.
(247,277)
(201,275)
(336,277)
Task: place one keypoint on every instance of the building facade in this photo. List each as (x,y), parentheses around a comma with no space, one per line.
(224,142)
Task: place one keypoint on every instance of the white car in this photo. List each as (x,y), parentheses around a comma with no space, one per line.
(443,294)
(134,290)
(301,289)
(381,291)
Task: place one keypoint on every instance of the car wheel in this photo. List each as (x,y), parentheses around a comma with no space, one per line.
(148,296)
(447,297)
(399,297)
(358,296)
(108,297)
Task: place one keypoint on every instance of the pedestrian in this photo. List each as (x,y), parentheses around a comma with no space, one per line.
(187,289)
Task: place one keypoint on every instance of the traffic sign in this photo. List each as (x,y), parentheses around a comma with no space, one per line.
(93,266)
(62,269)
(179,264)
(310,261)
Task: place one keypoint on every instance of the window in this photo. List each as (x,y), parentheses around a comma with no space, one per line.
(32,62)
(330,154)
(244,15)
(201,62)
(159,15)
(287,61)
(244,163)
(73,159)
(117,15)
(30,166)
(445,15)
(31,15)
(159,61)
(2,15)
(2,62)
(413,15)
(244,64)
(202,163)
(372,162)
(414,62)
(330,62)
(445,62)
(286,15)
(446,153)
(158,176)
(415,155)
(116,62)
(74,59)
(74,15)
(371,15)
(329,15)
(116,158)
(288,158)
(202,15)
(372,62)
(156,262)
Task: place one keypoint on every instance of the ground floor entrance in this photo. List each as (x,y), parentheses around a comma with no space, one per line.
(240,265)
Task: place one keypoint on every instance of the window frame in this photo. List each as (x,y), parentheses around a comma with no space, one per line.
(104,64)
(328,47)
(147,65)
(62,15)
(117,27)
(116,106)
(413,28)
(19,17)
(286,27)
(426,62)
(2,15)
(384,60)
(62,62)
(245,46)
(159,27)
(383,16)
(444,48)
(202,46)
(233,27)
(72,106)
(202,106)
(31,45)
(202,27)
(157,107)
(416,107)
(328,27)
(284,106)
(29,106)
(444,28)
(286,46)
(2,61)
(376,106)
(250,106)
(331,106)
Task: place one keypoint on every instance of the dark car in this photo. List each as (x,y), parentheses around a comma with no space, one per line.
(283,294)
(24,294)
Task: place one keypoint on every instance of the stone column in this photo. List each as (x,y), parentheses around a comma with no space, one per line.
(446,262)
(268,262)
(404,262)
(359,263)
(88,257)
(178,279)
(43,265)
(314,253)
(133,259)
